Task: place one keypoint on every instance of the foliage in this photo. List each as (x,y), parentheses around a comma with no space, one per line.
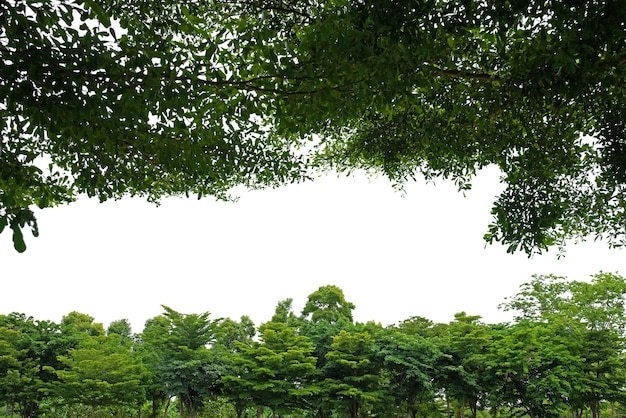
(29,350)
(276,371)
(182,365)
(462,372)
(110,98)
(595,317)
(443,88)
(81,325)
(538,366)
(351,374)
(146,110)
(328,304)
(101,371)
(563,356)
(409,361)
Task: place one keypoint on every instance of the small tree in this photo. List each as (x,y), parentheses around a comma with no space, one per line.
(101,372)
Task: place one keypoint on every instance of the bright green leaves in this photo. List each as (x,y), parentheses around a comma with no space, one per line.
(409,361)
(328,304)
(538,365)
(444,89)
(563,354)
(29,351)
(579,328)
(351,373)
(99,372)
(277,371)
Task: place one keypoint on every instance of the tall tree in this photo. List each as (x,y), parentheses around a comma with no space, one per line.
(461,370)
(352,376)
(18,377)
(275,372)
(81,325)
(328,304)
(539,367)
(122,328)
(182,361)
(595,318)
(600,306)
(325,313)
(230,337)
(151,351)
(409,359)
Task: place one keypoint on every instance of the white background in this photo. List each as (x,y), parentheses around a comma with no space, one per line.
(394,255)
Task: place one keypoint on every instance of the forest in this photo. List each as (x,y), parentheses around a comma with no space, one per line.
(562,355)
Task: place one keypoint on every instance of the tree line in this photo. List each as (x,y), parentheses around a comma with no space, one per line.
(563,355)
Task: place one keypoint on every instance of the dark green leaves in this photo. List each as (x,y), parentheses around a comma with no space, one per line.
(153,100)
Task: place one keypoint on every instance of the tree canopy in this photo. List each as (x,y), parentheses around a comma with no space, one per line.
(564,355)
(110,99)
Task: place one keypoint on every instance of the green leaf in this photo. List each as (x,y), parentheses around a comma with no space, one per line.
(18,239)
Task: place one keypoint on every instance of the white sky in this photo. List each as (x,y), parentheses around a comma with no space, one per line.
(394,256)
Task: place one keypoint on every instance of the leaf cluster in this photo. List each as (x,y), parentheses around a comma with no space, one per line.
(160,98)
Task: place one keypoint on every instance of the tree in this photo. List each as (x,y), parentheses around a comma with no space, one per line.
(593,314)
(328,304)
(101,371)
(324,315)
(538,365)
(29,351)
(18,381)
(600,305)
(230,335)
(352,376)
(151,352)
(284,313)
(275,372)
(409,359)
(227,331)
(81,325)
(176,347)
(197,99)
(122,328)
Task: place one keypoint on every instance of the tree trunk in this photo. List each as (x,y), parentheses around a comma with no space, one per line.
(461,412)
(595,409)
(167,406)
(354,410)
